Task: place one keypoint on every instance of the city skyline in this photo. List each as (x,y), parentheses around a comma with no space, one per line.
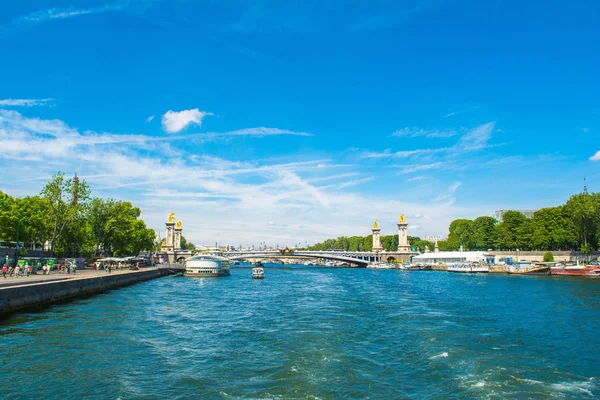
(294,123)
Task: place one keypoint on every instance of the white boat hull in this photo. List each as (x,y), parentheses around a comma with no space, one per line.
(207,268)
(469,270)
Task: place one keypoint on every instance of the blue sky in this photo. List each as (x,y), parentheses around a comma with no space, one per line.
(289,122)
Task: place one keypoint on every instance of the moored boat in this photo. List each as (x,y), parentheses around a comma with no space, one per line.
(576,270)
(380,265)
(258,273)
(527,268)
(207,265)
(468,268)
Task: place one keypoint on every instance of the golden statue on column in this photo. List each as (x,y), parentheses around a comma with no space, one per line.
(171,217)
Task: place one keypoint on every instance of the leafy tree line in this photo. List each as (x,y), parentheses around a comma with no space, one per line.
(365,243)
(572,226)
(74,223)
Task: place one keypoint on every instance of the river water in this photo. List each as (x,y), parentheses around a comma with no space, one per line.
(313,333)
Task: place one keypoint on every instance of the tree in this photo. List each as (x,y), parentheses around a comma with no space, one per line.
(461,230)
(548,257)
(484,233)
(66,200)
(552,229)
(185,245)
(507,232)
(584,212)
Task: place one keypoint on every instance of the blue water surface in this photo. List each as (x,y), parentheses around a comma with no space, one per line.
(313,333)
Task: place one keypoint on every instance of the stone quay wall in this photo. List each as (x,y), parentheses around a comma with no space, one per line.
(31,296)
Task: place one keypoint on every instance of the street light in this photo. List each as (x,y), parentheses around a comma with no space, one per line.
(17,245)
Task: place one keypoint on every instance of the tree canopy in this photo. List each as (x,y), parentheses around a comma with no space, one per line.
(572,226)
(74,223)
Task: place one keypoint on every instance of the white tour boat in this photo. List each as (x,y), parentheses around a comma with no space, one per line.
(468,268)
(380,265)
(207,265)
(258,273)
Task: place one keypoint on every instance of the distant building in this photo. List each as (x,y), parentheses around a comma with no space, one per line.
(499,214)
(434,238)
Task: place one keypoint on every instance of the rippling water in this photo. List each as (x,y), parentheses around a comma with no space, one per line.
(313,333)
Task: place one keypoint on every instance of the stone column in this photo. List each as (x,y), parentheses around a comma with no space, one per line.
(403,244)
(168,246)
(178,238)
(437,248)
(376,240)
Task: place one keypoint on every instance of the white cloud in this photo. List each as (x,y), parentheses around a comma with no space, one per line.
(402,153)
(407,169)
(415,178)
(477,138)
(24,102)
(595,157)
(453,113)
(224,200)
(150,118)
(70,12)
(263,131)
(448,197)
(176,121)
(418,132)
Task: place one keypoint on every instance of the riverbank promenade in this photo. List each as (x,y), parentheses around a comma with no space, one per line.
(39,290)
(55,276)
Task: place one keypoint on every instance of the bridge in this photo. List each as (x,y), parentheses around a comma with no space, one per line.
(359,258)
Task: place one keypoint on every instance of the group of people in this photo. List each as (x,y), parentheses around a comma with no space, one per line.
(26,270)
(19,270)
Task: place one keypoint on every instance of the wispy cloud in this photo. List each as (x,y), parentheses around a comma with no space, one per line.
(407,169)
(150,118)
(449,195)
(263,131)
(24,102)
(461,111)
(416,178)
(595,157)
(401,154)
(70,12)
(418,132)
(219,199)
(477,139)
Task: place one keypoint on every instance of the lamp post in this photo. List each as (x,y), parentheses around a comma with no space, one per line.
(17,245)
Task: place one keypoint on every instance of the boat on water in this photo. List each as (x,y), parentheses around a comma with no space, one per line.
(468,268)
(527,268)
(380,265)
(207,265)
(575,270)
(414,267)
(258,272)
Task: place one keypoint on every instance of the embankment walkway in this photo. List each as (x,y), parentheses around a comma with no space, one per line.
(23,293)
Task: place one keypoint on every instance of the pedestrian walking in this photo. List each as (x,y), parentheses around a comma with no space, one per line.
(4,271)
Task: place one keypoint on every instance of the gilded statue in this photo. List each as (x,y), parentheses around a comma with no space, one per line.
(401,219)
(375,225)
(178,225)
(171,217)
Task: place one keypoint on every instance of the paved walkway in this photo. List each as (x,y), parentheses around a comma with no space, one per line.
(55,276)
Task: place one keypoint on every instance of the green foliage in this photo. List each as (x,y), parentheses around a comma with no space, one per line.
(552,229)
(73,223)
(548,257)
(483,236)
(66,200)
(584,211)
(461,231)
(185,245)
